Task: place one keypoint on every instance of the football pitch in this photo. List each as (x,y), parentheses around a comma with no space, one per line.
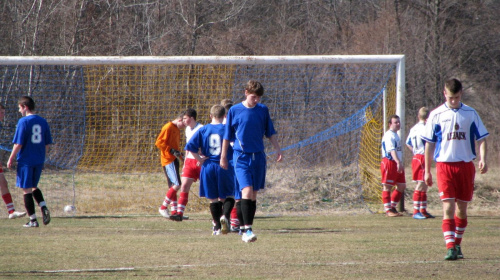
(333,246)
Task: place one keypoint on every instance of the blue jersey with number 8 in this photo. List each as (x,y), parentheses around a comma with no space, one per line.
(33,133)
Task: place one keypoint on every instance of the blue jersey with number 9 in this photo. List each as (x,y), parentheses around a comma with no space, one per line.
(33,133)
(209,139)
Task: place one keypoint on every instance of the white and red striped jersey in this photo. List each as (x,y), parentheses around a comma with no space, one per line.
(391,142)
(454,131)
(414,138)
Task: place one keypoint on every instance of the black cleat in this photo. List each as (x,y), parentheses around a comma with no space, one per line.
(46,215)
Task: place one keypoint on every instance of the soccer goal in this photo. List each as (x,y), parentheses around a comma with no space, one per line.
(105,114)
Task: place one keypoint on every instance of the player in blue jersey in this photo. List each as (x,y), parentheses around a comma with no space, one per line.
(391,168)
(451,133)
(216,184)
(31,141)
(246,125)
(4,187)
(417,146)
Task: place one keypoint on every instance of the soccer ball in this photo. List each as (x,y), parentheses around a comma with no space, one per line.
(69,209)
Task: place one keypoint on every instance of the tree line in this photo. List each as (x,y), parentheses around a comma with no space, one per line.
(440,39)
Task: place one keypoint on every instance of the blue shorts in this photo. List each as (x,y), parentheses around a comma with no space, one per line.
(216,182)
(28,176)
(172,172)
(250,169)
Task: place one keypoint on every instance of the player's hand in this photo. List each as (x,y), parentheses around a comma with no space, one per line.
(483,167)
(279,156)
(175,153)
(223,163)
(9,163)
(428,179)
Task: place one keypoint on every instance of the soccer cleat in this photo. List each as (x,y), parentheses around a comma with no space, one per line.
(45,215)
(428,215)
(451,255)
(249,236)
(164,212)
(177,218)
(33,223)
(224,225)
(459,252)
(393,213)
(216,232)
(234,229)
(419,216)
(16,214)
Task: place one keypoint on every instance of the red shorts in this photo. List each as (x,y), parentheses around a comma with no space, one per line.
(455,180)
(418,168)
(390,175)
(191,169)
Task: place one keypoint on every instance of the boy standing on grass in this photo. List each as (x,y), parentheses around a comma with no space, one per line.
(392,169)
(450,135)
(31,141)
(4,187)
(216,184)
(168,141)
(190,170)
(417,146)
(247,123)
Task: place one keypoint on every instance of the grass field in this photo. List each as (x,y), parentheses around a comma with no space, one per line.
(334,246)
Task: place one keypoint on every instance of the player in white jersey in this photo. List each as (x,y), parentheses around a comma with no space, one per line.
(451,133)
(417,146)
(391,168)
(190,171)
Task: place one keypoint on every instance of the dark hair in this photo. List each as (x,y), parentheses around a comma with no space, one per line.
(393,117)
(227,103)
(254,87)
(28,102)
(453,86)
(190,112)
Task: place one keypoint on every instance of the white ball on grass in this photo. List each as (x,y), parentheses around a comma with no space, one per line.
(69,209)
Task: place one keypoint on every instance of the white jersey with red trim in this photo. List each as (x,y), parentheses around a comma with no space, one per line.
(391,142)
(415,140)
(189,133)
(454,131)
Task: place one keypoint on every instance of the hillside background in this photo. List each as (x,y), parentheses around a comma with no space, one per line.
(440,39)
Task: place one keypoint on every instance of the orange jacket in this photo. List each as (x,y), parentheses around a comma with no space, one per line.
(169,138)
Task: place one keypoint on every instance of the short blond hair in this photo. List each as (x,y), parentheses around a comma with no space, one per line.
(217,111)
(423,113)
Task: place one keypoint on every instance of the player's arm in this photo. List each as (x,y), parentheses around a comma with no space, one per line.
(394,155)
(277,148)
(223,155)
(483,148)
(429,152)
(410,147)
(198,157)
(13,154)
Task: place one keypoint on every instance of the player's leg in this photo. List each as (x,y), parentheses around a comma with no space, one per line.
(184,195)
(7,198)
(448,175)
(38,196)
(24,181)
(216,211)
(388,170)
(190,174)
(173,178)
(417,201)
(464,195)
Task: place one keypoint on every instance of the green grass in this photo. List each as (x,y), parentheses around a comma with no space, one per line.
(334,246)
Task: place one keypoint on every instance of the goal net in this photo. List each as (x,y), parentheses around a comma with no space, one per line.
(106,112)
